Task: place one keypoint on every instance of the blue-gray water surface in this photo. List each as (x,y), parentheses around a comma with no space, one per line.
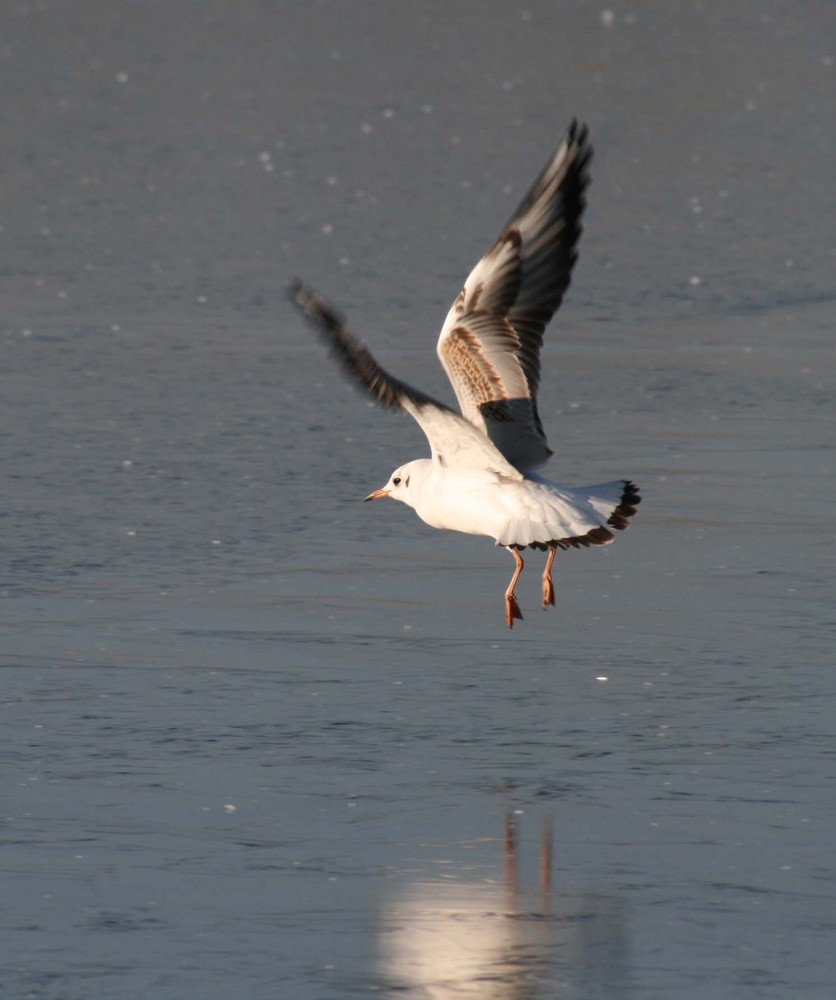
(261,740)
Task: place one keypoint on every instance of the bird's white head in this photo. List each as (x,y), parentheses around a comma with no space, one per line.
(404,483)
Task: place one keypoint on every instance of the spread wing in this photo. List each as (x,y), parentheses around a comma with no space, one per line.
(454,441)
(490,342)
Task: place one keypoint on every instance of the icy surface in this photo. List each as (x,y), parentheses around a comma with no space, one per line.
(260,740)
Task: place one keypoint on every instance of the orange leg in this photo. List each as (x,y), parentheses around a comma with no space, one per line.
(548,587)
(512,609)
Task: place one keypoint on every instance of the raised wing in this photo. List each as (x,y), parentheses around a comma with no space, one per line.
(491,339)
(454,441)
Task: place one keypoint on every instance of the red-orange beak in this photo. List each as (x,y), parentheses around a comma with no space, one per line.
(377,495)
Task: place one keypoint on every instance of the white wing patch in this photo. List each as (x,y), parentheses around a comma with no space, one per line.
(456,443)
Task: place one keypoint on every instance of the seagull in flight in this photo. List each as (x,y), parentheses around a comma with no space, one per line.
(482,476)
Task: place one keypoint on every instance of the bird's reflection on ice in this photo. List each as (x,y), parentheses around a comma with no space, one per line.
(500,940)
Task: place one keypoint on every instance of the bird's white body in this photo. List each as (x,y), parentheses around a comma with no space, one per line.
(518,512)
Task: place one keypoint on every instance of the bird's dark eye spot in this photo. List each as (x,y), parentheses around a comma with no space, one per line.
(396,481)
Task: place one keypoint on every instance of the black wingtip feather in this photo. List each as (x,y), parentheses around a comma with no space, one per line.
(351,354)
(630,499)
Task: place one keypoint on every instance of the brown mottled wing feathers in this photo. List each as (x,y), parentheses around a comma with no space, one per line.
(490,342)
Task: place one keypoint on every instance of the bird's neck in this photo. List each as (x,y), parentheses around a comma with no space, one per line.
(419,473)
